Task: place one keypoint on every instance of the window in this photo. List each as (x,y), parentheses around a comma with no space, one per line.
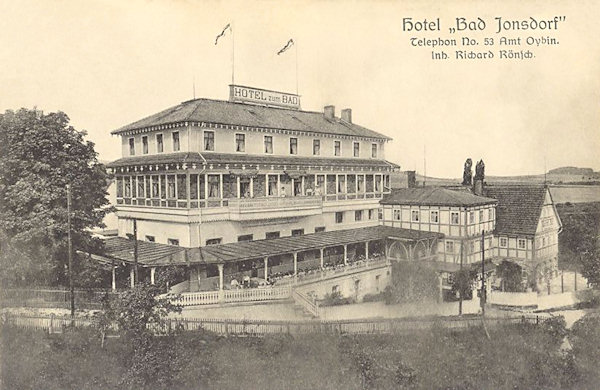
(268,144)
(360,183)
(397,215)
(414,216)
(373,150)
(127,184)
(293,145)
(240,142)
(297,232)
(490,214)
(145,145)
(213,186)
(503,242)
(337,148)
(140,186)
(339,217)
(449,246)
(131,146)
(356,149)
(471,217)
(341,184)
(171,186)
(319,229)
(316,147)
(270,235)
(175,141)
(371,213)
(454,220)
(209,141)
(480,216)
(214,241)
(358,214)
(150,238)
(272,185)
(380,214)
(245,237)
(159,143)
(173,241)
(521,243)
(435,217)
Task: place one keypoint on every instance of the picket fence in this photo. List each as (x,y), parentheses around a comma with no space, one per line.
(266,327)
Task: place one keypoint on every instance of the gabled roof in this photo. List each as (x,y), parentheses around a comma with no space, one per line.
(239,114)
(434,196)
(248,159)
(519,207)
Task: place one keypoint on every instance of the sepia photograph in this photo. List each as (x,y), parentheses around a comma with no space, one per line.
(225,194)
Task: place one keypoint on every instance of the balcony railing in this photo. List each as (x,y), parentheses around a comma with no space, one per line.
(266,203)
(241,209)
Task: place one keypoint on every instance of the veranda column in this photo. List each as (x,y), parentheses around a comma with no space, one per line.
(367,250)
(114,278)
(322,257)
(221,293)
(266,266)
(252,187)
(345,254)
(132,277)
(152,271)
(295,263)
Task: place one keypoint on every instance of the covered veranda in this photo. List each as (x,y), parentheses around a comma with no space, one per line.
(215,267)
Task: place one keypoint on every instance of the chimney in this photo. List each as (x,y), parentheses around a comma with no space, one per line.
(411,179)
(347,115)
(478,187)
(329,112)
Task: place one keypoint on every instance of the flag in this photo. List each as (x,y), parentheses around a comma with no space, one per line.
(223,32)
(289,44)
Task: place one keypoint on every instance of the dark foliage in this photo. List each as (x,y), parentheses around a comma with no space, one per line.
(39,155)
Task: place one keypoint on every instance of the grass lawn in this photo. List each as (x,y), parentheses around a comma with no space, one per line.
(515,357)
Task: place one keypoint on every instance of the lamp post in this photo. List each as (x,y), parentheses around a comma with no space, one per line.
(70,251)
(483,290)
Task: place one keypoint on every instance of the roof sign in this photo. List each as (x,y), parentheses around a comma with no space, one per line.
(263,97)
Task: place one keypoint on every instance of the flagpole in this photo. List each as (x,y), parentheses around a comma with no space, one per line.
(232,54)
(296,47)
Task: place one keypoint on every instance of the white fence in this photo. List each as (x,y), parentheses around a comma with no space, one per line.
(534,300)
(230,296)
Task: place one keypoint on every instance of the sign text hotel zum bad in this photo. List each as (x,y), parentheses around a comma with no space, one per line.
(238,93)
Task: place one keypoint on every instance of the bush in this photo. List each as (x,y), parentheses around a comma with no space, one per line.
(335,299)
(375,297)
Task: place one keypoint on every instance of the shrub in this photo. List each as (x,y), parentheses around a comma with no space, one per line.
(335,299)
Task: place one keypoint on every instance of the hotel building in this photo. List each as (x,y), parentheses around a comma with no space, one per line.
(254,167)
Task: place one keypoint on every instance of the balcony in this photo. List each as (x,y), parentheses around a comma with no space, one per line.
(246,209)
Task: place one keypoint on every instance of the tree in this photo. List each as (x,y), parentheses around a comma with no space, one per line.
(462,284)
(412,282)
(511,275)
(39,155)
(579,242)
(141,314)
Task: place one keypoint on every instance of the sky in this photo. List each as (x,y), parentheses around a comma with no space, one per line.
(107,63)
